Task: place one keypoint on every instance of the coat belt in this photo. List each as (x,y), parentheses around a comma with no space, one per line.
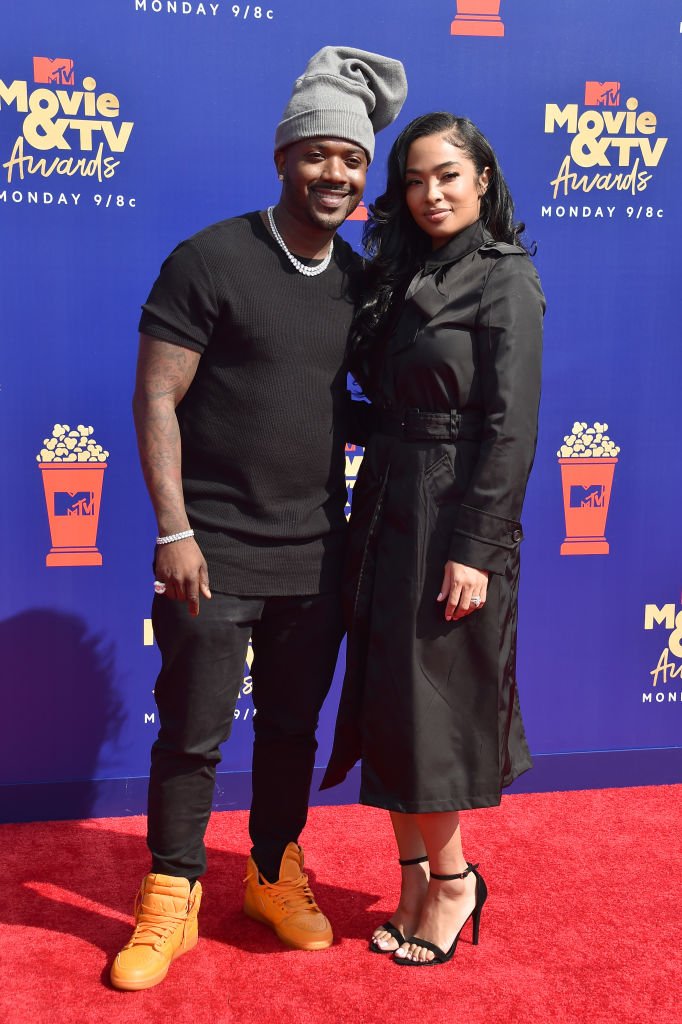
(419,425)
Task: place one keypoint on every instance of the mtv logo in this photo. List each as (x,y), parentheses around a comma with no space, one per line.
(591,496)
(74,503)
(602,94)
(53,71)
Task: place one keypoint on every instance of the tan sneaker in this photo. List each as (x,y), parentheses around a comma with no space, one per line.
(288,905)
(165,927)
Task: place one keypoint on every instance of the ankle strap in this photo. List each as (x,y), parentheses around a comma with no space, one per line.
(415,860)
(462,874)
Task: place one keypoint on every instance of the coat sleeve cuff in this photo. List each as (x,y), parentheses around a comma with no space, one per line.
(484,540)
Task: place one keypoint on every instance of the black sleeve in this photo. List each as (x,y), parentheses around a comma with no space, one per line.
(509,342)
(182,306)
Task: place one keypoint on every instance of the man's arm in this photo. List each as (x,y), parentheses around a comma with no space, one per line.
(164,373)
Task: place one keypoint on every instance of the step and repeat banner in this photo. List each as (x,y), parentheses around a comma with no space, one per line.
(127,125)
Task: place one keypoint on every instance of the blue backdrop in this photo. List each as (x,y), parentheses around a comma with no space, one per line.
(126,126)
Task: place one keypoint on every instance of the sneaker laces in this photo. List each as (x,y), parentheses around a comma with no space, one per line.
(153,929)
(292,894)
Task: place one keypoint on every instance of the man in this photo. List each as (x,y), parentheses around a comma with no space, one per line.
(240,413)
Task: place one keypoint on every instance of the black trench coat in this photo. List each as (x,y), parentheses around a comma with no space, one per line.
(431,707)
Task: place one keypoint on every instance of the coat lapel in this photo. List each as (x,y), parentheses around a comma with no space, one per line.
(425,295)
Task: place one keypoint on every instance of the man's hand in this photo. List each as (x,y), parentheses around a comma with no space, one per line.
(182,567)
(461,584)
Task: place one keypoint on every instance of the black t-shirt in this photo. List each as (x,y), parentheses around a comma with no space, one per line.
(263,424)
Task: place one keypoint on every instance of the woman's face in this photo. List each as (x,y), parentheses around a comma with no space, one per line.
(443,190)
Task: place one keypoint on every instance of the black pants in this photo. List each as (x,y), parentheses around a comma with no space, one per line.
(295,645)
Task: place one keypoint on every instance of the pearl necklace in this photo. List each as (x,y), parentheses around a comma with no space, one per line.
(301,267)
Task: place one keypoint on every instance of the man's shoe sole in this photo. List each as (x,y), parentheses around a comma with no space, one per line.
(156,979)
(309,947)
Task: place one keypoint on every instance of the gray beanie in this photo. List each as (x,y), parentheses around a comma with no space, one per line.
(343,94)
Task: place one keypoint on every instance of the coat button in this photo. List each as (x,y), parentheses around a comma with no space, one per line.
(517,535)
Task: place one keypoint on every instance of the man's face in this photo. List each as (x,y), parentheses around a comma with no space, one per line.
(323,180)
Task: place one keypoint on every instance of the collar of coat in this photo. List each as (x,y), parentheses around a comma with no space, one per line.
(460,245)
(426,291)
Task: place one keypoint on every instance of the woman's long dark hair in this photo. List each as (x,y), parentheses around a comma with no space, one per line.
(394,243)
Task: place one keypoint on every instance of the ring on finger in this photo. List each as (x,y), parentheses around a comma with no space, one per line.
(159,587)
(475,600)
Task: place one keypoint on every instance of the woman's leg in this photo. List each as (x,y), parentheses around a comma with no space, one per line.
(413,884)
(447,904)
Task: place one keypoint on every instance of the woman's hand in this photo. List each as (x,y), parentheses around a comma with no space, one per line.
(461,584)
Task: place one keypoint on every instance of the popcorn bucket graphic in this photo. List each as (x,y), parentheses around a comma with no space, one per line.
(586,485)
(73,493)
(354,455)
(477,18)
(359,213)
(72,464)
(588,460)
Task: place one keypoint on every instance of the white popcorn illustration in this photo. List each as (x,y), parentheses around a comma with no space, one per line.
(67,445)
(588,443)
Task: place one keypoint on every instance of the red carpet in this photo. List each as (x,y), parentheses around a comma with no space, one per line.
(582,924)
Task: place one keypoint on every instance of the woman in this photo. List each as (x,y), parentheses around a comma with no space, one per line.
(448,347)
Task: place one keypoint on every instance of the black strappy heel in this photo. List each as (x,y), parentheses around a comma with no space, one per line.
(394,932)
(439,955)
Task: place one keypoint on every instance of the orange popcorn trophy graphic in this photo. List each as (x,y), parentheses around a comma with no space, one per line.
(359,213)
(477,18)
(588,460)
(354,456)
(72,466)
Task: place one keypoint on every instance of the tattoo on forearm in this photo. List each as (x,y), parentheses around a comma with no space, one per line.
(169,371)
(165,372)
